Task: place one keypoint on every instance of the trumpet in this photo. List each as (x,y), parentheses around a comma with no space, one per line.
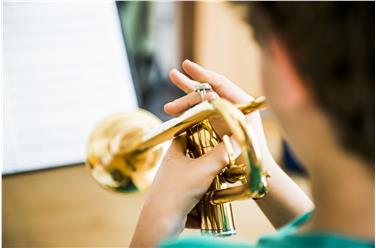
(125,150)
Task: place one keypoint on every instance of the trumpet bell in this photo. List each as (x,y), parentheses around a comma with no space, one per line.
(107,152)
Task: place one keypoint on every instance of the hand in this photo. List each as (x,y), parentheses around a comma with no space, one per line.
(178,186)
(282,190)
(221,86)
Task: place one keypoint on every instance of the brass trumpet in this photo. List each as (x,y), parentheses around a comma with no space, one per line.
(124,151)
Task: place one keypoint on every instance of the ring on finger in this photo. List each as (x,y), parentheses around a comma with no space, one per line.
(202,89)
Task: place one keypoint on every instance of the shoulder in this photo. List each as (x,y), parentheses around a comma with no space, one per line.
(203,242)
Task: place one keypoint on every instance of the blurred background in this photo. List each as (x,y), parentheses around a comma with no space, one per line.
(68,65)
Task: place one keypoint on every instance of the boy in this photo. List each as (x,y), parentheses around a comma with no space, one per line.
(318,77)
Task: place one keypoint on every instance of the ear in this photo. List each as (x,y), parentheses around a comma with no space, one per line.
(291,87)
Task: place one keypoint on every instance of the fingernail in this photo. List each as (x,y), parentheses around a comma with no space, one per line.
(166,107)
(167,104)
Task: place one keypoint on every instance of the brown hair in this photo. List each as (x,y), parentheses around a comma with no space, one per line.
(332,45)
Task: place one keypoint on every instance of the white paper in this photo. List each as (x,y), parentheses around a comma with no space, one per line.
(66,68)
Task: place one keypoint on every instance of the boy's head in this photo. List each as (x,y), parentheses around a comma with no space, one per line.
(318,70)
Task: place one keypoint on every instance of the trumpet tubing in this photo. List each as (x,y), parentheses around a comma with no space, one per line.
(216,219)
(124,151)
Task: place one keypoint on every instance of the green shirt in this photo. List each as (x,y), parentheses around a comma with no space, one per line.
(285,237)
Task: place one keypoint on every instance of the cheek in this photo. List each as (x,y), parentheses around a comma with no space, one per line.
(270,82)
(265,79)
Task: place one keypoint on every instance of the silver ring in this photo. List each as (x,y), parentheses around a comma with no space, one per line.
(203,88)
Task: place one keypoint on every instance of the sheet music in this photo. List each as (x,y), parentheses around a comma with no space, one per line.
(66,68)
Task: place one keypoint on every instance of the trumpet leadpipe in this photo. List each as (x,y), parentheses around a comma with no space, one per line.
(175,126)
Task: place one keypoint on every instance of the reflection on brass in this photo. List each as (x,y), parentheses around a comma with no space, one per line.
(124,152)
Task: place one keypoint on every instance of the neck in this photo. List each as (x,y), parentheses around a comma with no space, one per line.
(343,186)
(343,192)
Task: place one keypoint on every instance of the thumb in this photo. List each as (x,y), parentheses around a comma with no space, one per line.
(218,157)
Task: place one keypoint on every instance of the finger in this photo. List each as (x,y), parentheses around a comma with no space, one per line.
(224,87)
(218,158)
(182,81)
(202,75)
(185,102)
